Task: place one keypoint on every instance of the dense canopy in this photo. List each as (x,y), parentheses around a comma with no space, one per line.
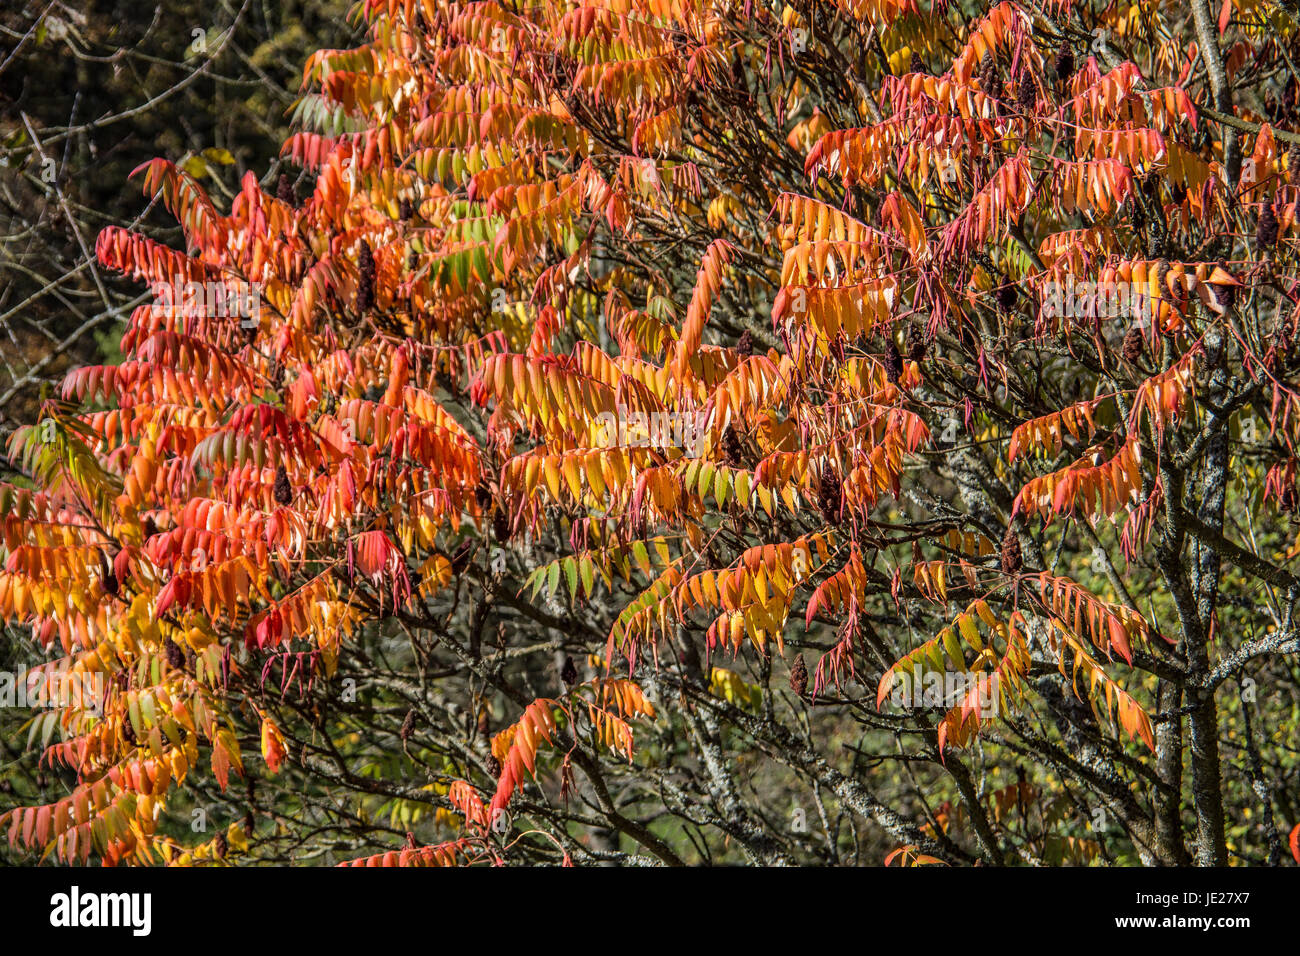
(690,431)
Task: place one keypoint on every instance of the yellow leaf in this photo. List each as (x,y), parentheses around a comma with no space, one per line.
(221,157)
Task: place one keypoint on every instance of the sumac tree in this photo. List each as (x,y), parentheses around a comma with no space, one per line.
(680,431)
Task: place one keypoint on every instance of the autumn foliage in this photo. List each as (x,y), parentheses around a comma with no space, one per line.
(648,397)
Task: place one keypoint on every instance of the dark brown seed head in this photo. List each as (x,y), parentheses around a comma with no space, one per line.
(799,676)
(366,281)
(460,557)
(1012,560)
(990,81)
(106,576)
(493,766)
(569,672)
(1224,295)
(282,491)
(128,731)
(284,190)
(408,726)
(1063,64)
(501,526)
(1137,216)
(732,449)
(830,497)
(916,344)
(175,656)
(745,344)
(1266,229)
(1006,296)
(893,362)
(220,847)
(1132,349)
(1026,93)
(1163,268)
(405,210)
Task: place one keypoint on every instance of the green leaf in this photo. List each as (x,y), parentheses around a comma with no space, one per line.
(706,476)
(571,572)
(642,556)
(744,486)
(537,578)
(721,485)
(953,647)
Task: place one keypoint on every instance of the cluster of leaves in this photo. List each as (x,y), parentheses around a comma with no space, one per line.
(88,91)
(820,248)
